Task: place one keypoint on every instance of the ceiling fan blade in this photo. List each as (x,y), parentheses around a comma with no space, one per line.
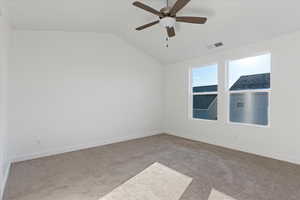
(171,32)
(147,8)
(147,25)
(178,6)
(194,20)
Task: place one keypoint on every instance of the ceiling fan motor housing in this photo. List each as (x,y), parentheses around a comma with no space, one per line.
(167,22)
(168,16)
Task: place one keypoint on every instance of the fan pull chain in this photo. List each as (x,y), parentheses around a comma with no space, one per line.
(167,42)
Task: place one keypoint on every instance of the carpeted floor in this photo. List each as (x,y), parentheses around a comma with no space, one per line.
(92,173)
(156,182)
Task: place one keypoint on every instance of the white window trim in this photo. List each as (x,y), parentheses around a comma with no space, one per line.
(204,93)
(228,92)
(192,93)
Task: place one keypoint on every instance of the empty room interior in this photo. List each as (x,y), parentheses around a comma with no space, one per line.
(149,100)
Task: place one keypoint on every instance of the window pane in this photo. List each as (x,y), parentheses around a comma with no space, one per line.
(250,73)
(250,108)
(205,107)
(205,79)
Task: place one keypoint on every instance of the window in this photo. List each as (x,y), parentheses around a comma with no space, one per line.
(249,90)
(205,92)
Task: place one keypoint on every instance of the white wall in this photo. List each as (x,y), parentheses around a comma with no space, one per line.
(69,91)
(281,140)
(4,50)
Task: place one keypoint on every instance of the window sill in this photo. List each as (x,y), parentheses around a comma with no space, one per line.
(204,120)
(249,125)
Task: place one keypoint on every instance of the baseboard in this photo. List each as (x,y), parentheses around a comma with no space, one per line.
(289,159)
(81,147)
(5,180)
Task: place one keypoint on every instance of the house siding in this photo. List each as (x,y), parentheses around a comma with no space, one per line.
(251,108)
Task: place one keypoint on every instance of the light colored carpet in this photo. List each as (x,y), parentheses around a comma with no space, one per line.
(216,195)
(157,182)
(92,173)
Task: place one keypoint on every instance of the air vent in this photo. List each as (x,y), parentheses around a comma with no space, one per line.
(215,45)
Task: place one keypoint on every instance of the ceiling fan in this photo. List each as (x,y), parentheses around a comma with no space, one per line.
(167,16)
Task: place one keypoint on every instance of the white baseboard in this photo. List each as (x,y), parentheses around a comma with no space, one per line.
(276,156)
(81,146)
(5,180)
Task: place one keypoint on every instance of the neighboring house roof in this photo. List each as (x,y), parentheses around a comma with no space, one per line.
(203,101)
(255,81)
(209,88)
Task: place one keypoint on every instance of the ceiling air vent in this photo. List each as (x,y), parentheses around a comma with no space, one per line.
(215,45)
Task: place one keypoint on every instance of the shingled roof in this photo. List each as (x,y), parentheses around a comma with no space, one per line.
(255,81)
(209,88)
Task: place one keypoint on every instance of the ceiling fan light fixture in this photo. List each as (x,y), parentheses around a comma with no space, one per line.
(167,22)
(168,16)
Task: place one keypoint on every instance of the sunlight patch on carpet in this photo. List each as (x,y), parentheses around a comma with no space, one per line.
(156,182)
(216,195)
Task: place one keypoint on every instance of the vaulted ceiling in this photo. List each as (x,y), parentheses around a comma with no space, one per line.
(233,22)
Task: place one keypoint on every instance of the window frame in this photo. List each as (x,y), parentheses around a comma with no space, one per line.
(229,92)
(192,93)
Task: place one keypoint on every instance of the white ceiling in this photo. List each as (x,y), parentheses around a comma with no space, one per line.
(234,22)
